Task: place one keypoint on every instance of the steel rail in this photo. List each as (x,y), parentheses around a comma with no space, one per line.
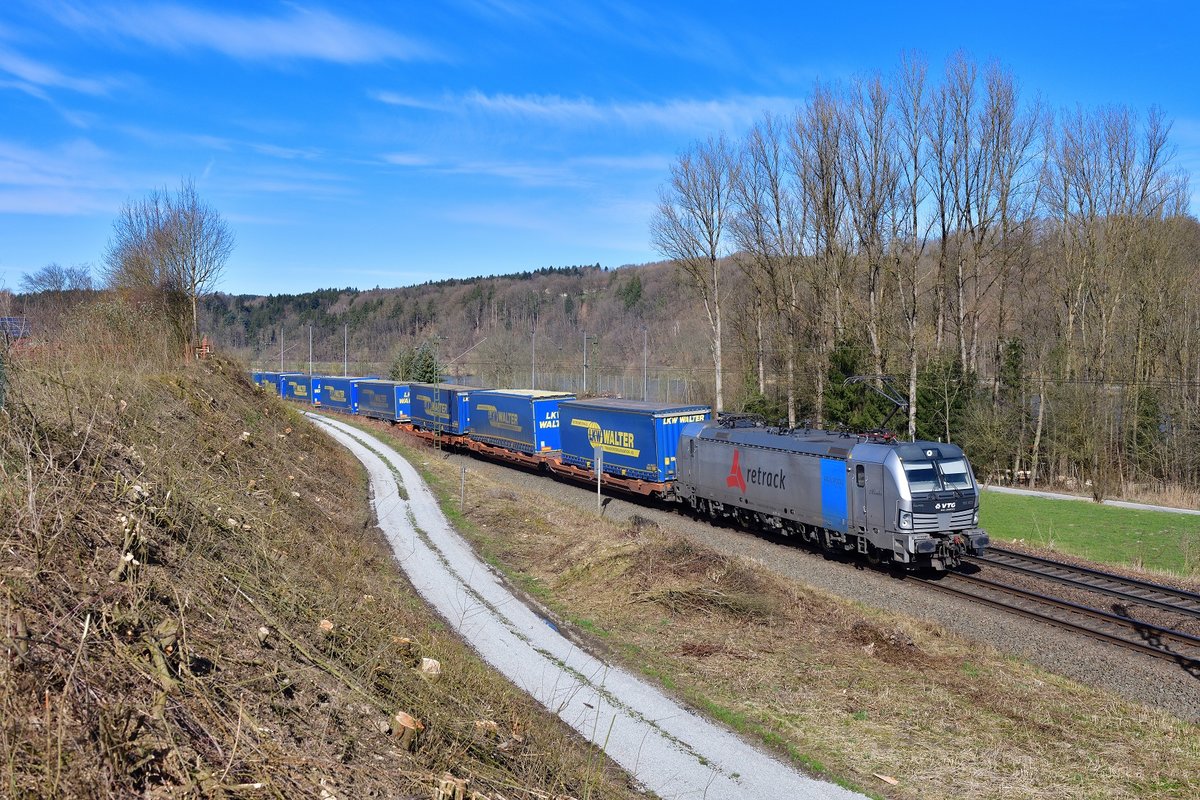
(1182,594)
(1042,566)
(1190,663)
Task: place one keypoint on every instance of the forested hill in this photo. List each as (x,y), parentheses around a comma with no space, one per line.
(504,318)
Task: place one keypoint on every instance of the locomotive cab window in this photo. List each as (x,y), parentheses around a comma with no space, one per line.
(860,475)
(922,476)
(955,474)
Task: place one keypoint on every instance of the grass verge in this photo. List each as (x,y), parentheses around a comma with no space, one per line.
(1156,541)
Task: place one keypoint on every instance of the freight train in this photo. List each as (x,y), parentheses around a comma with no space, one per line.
(912,505)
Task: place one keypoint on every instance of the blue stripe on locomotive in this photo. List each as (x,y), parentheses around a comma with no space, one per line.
(833,494)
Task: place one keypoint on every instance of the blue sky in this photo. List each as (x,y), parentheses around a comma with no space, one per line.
(387,143)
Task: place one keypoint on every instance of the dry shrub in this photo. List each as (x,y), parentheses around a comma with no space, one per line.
(195,600)
(683,576)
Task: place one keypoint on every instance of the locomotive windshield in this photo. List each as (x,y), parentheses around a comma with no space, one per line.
(922,476)
(955,473)
(933,476)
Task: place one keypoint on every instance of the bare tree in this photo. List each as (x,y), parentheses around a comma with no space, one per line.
(170,248)
(910,230)
(768,228)
(869,180)
(689,228)
(57,278)
(816,144)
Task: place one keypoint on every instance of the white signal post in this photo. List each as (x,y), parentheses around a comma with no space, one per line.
(599,464)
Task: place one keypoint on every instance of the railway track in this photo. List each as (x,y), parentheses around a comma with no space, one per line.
(1129,590)
(1123,631)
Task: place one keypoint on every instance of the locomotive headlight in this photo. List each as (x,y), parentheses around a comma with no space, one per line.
(975,519)
(906,520)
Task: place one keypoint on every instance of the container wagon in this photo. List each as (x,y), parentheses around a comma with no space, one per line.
(301,388)
(270,381)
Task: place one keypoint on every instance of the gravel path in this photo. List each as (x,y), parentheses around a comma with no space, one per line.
(668,749)
(1138,678)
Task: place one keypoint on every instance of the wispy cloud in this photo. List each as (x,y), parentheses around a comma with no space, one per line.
(731,114)
(69,179)
(407,101)
(409,160)
(34,76)
(287,153)
(577,172)
(298,34)
(648,27)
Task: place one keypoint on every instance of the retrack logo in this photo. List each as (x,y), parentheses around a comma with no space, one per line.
(735,479)
(757,475)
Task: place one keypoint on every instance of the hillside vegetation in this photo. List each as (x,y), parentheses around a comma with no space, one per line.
(196,603)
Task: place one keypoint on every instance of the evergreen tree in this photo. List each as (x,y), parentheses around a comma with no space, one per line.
(418,364)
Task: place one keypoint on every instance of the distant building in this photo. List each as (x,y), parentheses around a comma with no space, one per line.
(12,328)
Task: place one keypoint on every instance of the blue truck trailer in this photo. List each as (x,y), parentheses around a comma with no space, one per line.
(441,407)
(270,381)
(387,400)
(340,394)
(523,420)
(639,439)
(301,388)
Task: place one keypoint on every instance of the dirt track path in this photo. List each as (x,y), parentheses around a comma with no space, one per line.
(668,749)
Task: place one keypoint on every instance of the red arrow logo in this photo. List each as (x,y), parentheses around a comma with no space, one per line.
(735,478)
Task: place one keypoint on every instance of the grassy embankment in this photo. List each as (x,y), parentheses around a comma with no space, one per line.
(844,691)
(1156,541)
(196,603)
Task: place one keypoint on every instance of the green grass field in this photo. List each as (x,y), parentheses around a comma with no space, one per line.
(1152,540)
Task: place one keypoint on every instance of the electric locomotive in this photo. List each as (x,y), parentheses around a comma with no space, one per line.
(912,504)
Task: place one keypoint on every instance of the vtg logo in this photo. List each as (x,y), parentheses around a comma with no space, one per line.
(945,506)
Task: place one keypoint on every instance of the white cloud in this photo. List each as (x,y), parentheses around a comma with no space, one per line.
(408,159)
(522,173)
(287,153)
(30,74)
(634,163)
(406,101)
(298,34)
(66,180)
(732,114)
